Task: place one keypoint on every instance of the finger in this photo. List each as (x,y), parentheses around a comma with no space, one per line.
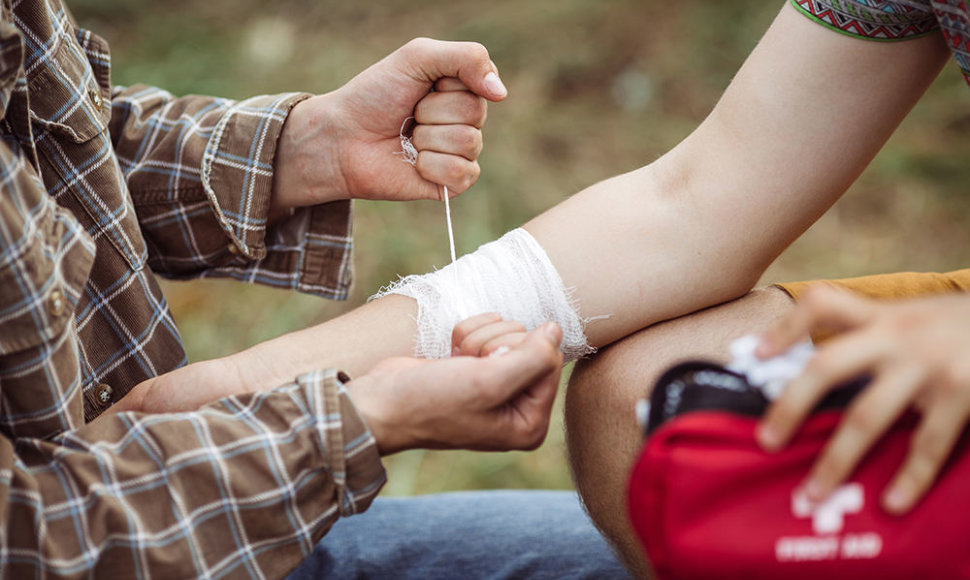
(820,306)
(446,84)
(451,108)
(502,344)
(835,363)
(537,356)
(463,140)
(431,60)
(471,324)
(475,340)
(453,171)
(930,447)
(530,412)
(869,416)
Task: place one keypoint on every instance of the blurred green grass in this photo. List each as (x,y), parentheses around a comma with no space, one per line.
(596,88)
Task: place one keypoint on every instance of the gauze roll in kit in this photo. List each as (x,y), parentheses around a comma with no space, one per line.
(511,276)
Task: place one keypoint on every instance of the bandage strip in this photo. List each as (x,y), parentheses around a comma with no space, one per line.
(512,276)
(451,229)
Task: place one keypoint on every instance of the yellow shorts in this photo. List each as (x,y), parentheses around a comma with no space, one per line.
(893,286)
(888,287)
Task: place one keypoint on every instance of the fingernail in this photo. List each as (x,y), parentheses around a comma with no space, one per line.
(763,348)
(500,351)
(768,438)
(495,86)
(895,501)
(551,330)
(813,489)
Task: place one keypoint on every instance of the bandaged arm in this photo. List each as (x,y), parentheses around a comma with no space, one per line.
(699,225)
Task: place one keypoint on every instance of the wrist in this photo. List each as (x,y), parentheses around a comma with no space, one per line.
(378,414)
(306,167)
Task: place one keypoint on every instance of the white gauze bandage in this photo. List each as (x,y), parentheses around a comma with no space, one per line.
(770,375)
(511,276)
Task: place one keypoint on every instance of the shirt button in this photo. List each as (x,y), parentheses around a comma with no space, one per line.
(104,393)
(234,249)
(96,98)
(56,303)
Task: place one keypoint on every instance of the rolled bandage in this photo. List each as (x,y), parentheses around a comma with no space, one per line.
(511,276)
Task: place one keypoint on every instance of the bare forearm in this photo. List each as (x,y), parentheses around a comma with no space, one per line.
(353,342)
(699,225)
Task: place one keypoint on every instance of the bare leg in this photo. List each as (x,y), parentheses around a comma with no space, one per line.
(601,428)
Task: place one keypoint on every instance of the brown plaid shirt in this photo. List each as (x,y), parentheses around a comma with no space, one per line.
(101,188)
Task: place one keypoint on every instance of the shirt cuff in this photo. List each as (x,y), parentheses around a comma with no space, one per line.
(346,443)
(310,251)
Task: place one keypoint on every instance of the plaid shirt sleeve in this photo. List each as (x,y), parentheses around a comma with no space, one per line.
(243,487)
(200,173)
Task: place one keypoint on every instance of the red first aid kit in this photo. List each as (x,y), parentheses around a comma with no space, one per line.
(708,503)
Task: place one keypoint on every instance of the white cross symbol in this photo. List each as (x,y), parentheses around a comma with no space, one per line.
(828,516)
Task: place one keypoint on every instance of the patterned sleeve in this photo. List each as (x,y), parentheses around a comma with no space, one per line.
(243,487)
(200,173)
(872,19)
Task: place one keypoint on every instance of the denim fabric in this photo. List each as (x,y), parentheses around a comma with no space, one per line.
(467,535)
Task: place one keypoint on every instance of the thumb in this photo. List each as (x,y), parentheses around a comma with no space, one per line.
(537,356)
(430,60)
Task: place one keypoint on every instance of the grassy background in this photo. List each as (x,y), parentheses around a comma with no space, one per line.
(596,88)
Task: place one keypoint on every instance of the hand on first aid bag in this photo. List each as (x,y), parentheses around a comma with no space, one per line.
(915,350)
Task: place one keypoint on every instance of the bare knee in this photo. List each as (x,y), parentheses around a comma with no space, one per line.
(602,433)
(603,436)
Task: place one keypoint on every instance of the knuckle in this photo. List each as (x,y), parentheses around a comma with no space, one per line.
(834,465)
(480,388)
(460,332)
(418,44)
(822,364)
(471,345)
(456,171)
(816,294)
(534,434)
(535,442)
(862,421)
(470,141)
(468,104)
(479,111)
(951,381)
(470,176)
(477,51)
(906,320)
(782,415)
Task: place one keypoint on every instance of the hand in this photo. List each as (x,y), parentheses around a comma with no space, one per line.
(346,144)
(915,351)
(489,404)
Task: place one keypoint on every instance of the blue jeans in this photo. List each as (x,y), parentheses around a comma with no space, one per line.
(467,535)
